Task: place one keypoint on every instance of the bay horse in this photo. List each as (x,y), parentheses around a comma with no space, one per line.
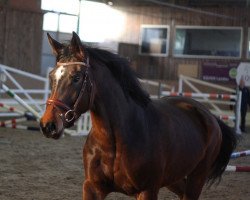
(136,145)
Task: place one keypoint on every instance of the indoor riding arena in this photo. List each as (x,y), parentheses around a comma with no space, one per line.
(120,100)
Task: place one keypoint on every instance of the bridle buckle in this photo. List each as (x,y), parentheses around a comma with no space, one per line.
(67,114)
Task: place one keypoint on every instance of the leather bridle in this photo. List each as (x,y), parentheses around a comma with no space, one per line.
(70,113)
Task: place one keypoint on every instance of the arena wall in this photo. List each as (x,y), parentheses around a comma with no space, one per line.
(21,34)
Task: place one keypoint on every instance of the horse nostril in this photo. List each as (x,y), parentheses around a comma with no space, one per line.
(51,127)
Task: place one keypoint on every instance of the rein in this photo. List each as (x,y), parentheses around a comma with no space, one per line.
(71,113)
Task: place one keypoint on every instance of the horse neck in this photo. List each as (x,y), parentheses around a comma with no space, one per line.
(111,108)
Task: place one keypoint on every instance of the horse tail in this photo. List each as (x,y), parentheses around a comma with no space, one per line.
(228,145)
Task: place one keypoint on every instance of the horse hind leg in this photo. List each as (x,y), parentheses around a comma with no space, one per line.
(196,180)
(194,187)
(178,188)
(190,188)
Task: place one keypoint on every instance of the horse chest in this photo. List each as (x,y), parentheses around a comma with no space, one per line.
(104,165)
(108,162)
(98,163)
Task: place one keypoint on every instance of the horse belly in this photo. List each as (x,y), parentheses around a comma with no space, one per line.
(184,159)
(138,173)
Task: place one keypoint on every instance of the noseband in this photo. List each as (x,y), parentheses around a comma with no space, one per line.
(71,113)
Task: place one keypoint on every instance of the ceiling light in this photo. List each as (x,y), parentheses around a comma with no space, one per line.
(110,3)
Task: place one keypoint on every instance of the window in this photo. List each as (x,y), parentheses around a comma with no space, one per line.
(99,22)
(61,15)
(68,23)
(50,21)
(63,6)
(154,40)
(208,42)
(60,22)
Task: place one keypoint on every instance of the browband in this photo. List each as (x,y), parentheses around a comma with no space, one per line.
(74,63)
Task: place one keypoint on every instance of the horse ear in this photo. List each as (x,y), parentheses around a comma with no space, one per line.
(77,44)
(56,46)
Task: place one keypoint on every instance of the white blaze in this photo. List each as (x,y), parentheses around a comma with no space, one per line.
(59,73)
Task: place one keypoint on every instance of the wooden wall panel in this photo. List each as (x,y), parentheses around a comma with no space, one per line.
(2,34)
(21,38)
(26,5)
(167,67)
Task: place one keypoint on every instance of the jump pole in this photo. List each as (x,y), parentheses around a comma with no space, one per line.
(201,95)
(231,168)
(227,117)
(26,117)
(30,128)
(20,101)
(12,122)
(12,109)
(240,154)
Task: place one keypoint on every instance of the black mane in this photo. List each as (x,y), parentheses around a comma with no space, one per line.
(122,72)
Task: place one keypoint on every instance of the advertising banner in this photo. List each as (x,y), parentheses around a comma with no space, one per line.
(219,71)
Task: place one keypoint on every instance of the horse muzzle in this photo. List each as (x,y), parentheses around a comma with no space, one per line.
(52,129)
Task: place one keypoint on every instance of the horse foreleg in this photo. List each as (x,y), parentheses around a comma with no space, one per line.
(147,195)
(178,188)
(92,192)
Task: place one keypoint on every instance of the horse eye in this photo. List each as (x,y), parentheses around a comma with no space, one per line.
(76,78)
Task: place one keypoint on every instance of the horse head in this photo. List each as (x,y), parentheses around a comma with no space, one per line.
(71,87)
